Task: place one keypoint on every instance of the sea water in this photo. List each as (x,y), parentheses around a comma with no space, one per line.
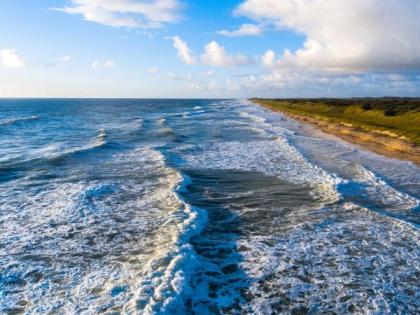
(198,207)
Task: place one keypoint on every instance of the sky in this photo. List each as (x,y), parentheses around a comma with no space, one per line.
(209,48)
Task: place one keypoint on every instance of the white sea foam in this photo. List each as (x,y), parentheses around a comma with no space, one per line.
(11,121)
(58,150)
(153,226)
(161,121)
(274,158)
(336,266)
(165,285)
(254,118)
(382,193)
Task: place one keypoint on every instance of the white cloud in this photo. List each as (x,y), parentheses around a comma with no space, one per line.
(126,13)
(108,64)
(343,35)
(176,77)
(184,52)
(9,58)
(315,83)
(65,59)
(243,30)
(268,59)
(95,65)
(215,55)
(202,86)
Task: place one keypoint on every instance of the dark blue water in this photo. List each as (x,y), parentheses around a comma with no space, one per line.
(198,206)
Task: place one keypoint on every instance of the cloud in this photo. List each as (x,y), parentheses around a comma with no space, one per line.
(108,64)
(184,52)
(202,86)
(59,61)
(126,13)
(315,83)
(215,55)
(176,77)
(65,59)
(268,59)
(197,83)
(243,30)
(9,58)
(198,77)
(342,35)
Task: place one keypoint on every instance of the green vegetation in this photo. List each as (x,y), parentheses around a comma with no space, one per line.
(392,117)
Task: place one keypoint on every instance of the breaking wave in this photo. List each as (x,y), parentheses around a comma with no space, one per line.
(11,121)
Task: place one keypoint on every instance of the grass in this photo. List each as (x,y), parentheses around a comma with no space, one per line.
(392,117)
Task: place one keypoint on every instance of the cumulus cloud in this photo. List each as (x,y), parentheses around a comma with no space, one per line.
(184,52)
(11,59)
(216,55)
(108,64)
(344,35)
(243,30)
(213,55)
(126,13)
(268,59)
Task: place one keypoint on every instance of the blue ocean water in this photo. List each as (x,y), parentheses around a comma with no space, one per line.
(198,206)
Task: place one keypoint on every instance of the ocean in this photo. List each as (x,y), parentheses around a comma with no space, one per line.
(124,206)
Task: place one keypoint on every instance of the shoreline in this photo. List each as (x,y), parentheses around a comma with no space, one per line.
(377,143)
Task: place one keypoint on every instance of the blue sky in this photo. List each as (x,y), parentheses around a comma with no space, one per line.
(208,48)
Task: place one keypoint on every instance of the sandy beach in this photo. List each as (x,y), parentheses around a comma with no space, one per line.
(378,142)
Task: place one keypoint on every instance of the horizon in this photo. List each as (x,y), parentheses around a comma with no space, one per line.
(161,49)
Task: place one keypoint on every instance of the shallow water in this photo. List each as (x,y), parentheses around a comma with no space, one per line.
(198,206)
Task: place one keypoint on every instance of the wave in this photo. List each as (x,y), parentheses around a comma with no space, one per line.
(363,186)
(12,121)
(161,121)
(273,158)
(276,155)
(359,249)
(165,286)
(254,118)
(138,123)
(84,219)
(368,190)
(99,141)
(56,151)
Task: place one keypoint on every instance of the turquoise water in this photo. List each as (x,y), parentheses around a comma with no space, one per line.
(198,206)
